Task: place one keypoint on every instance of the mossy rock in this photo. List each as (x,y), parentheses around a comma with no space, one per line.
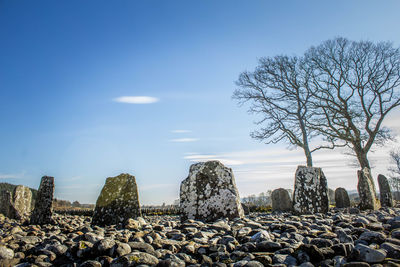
(118,201)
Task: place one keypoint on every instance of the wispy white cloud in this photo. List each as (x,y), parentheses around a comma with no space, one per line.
(184,140)
(204,158)
(4,176)
(136,99)
(273,167)
(181,131)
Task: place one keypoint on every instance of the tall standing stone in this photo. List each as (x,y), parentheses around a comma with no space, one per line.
(281,200)
(385,192)
(366,190)
(5,203)
(209,193)
(342,199)
(43,211)
(310,191)
(22,198)
(118,201)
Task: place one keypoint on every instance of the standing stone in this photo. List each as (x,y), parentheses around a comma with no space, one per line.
(118,201)
(342,199)
(281,200)
(385,192)
(331,196)
(5,203)
(43,211)
(22,198)
(310,191)
(209,193)
(366,190)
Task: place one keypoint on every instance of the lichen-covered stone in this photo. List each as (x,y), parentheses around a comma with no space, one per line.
(118,201)
(22,198)
(384,191)
(281,200)
(5,203)
(209,193)
(43,211)
(366,190)
(342,199)
(16,205)
(310,191)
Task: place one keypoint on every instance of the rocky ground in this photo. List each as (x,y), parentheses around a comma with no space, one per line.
(345,237)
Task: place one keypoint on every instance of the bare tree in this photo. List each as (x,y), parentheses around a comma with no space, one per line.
(395,170)
(278,91)
(356,84)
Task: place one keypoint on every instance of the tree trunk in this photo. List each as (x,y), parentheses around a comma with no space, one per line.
(307,152)
(363,161)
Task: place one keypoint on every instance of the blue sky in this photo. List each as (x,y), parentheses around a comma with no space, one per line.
(64,66)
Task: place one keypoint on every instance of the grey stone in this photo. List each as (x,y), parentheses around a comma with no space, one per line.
(281,200)
(310,191)
(209,193)
(284,259)
(370,255)
(134,259)
(117,202)
(6,253)
(331,196)
(22,198)
(393,251)
(385,192)
(43,211)
(342,199)
(5,203)
(373,237)
(366,190)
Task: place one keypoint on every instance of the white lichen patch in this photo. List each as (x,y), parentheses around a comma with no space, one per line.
(210,193)
(310,191)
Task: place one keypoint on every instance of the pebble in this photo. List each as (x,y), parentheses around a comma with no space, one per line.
(339,238)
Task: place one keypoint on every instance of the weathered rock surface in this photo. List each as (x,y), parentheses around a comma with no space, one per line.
(310,191)
(281,200)
(118,201)
(342,199)
(209,193)
(336,238)
(18,204)
(366,190)
(5,203)
(385,192)
(22,198)
(43,211)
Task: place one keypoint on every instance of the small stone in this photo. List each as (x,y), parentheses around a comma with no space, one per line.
(6,253)
(342,199)
(373,237)
(260,236)
(393,251)
(90,263)
(281,200)
(370,255)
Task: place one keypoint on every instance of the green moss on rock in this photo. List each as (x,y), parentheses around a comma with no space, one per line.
(118,201)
